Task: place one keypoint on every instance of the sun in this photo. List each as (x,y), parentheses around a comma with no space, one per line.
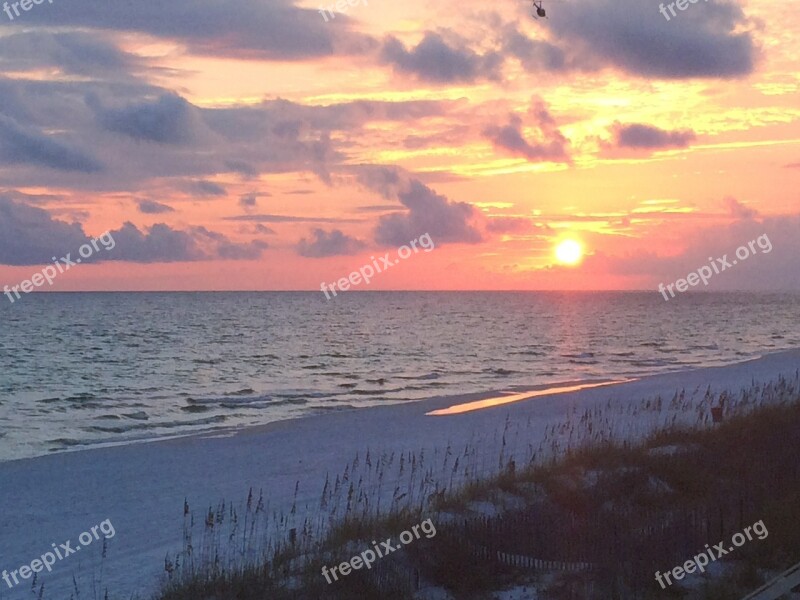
(569,252)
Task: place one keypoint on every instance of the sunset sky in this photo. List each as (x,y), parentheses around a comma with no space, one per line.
(253,145)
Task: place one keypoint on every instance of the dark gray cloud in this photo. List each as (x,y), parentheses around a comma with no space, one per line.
(71,52)
(422,210)
(219,246)
(241,167)
(160,244)
(151,207)
(248,29)
(259,228)
(28,146)
(709,40)
(232,251)
(550,145)
(647,137)
(427,212)
(437,61)
(248,201)
(290,120)
(168,119)
(148,133)
(384,179)
(329,243)
(509,138)
(31,236)
(534,55)
(205,189)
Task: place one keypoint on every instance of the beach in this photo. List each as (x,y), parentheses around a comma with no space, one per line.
(280,283)
(141,488)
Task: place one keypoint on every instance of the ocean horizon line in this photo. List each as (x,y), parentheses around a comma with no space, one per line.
(395,291)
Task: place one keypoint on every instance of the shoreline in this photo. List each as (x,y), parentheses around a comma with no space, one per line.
(435,403)
(142,487)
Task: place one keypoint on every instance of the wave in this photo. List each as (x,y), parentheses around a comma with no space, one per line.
(155,425)
(704,347)
(426,377)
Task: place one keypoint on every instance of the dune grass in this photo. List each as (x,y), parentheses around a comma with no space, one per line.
(586,495)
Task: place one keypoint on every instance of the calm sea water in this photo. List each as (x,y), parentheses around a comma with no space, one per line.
(83,369)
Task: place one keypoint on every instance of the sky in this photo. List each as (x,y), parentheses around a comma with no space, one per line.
(274,145)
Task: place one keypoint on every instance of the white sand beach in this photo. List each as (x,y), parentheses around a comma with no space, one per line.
(141,488)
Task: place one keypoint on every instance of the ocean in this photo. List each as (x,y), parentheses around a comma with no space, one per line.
(84,369)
